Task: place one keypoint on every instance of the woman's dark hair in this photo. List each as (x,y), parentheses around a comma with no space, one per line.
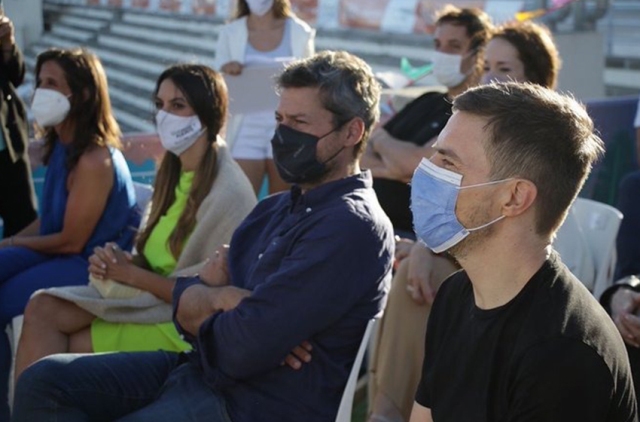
(536,50)
(205,91)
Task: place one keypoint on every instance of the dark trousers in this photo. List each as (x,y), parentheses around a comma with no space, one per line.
(131,387)
(17,198)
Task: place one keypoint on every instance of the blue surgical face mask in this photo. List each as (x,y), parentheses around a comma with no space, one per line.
(434,193)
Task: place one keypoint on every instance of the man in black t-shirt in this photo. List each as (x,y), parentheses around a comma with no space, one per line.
(514,336)
(395,150)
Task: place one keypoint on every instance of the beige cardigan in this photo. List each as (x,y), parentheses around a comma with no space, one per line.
(230,200)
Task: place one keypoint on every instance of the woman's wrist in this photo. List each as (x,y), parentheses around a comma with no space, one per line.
(131,275)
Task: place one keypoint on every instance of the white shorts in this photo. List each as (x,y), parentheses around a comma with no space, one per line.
(253,141)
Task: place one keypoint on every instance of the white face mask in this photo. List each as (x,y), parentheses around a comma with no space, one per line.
(49,107)
(259,7)
(446,69)
(178,133)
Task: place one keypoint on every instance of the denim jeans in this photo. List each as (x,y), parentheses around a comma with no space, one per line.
(22,272)
(127,387)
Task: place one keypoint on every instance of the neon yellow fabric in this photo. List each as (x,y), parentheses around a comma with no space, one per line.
(126,337)
(156,249)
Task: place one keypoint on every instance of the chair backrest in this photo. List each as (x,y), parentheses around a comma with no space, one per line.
(600,223)
(346,403)
(13,331)
(575,250)
(143,195)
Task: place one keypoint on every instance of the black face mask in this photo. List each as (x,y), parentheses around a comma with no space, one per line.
(294,154)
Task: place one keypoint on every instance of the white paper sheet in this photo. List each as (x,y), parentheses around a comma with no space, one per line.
(254,89)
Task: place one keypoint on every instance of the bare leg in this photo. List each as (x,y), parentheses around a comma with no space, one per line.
(255,171)
(276,184)
(80,342)
(49,324)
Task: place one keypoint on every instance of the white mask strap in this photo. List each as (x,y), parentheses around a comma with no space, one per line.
(494,182)
(486,225)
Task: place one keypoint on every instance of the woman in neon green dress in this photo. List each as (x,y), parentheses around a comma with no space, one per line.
(200,196)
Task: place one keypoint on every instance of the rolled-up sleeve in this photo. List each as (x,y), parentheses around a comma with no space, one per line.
(182,284)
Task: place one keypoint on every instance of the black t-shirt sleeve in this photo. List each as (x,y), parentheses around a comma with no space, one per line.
(421,120)
(564,380)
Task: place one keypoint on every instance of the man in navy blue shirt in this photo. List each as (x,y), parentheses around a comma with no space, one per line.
(276,325)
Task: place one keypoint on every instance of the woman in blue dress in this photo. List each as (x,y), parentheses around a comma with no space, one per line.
(88,197)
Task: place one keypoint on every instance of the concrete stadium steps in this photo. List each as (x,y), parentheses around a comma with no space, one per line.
(621,27)
(133,53)
(136,46)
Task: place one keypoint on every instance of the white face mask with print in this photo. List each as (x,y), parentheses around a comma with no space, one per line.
(49,107)
(177,133)
(259,7)
(446,69)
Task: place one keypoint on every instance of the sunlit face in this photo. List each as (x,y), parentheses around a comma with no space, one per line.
(460,149)
(502,62)
(52,76)
(171,100)
(302,110)
(453,39)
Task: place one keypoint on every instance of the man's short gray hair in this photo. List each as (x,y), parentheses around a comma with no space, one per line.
(346,83)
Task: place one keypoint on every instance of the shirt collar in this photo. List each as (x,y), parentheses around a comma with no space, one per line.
(320,194)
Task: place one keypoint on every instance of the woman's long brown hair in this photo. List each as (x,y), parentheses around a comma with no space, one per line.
(90,112)
(206,93)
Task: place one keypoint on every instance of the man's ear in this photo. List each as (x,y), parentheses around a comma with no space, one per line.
(355,131)
(519,198)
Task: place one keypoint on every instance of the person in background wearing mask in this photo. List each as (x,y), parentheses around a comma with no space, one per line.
(17,199)
(88,197)
(262,32)
(306,270)
(395,150)
(521,52)
(200,196)
(460,37)
(514,336)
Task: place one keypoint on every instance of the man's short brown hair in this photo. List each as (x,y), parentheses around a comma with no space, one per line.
(540,135)
(347,88)
(476,22)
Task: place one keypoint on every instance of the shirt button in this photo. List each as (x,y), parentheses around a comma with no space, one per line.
(308,210)
(260,256)
(182,336)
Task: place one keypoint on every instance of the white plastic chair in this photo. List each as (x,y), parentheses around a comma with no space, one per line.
(600,223)
(346,403)
(13,331)
(143,195)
